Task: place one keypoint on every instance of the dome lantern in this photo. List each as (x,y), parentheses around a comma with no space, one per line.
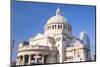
(58,12)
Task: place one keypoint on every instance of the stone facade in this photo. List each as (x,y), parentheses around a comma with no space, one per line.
(56,45)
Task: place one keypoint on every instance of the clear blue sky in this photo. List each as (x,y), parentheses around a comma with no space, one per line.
(29,18)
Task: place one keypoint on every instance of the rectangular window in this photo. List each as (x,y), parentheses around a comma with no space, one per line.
(69,58)
(58,39)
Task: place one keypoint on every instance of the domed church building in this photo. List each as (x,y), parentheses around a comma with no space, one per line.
(55,45)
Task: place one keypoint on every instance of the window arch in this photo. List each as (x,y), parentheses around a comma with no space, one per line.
(58,26)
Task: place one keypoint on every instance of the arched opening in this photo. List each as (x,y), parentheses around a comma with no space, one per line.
(32,59)
(45,58)
(39,60)
(26,59)
(21,58)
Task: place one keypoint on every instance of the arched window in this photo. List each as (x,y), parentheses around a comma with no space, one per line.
(58,38)
(66,27)
(48,28)
(55,26)
(52,26)
(58,26)
(78,55)
(63,27)
(21,57)
(26,59)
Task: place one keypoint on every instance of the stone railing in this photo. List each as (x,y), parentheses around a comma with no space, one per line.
(35,47)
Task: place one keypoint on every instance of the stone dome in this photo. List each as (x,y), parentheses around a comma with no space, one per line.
(57,18)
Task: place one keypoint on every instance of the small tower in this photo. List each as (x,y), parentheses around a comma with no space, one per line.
(58,12)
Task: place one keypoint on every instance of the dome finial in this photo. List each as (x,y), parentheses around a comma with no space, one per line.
(58,11)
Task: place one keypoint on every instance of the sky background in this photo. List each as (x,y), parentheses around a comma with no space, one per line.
(29,18)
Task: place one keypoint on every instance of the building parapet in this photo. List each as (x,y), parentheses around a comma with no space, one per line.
(35,47)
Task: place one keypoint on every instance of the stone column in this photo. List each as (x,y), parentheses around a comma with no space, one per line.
(42,59)
(35,59)
(17,63)
(23,60)
(20,63)
(29,60)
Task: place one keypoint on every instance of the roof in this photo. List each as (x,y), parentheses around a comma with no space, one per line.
(58,18)
(38,36)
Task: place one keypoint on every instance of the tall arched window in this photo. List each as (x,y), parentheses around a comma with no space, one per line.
(66,27)
(21,57)
(55,26)
(52,26)
(47,27)
(58,26)
(63,27)
(26,59)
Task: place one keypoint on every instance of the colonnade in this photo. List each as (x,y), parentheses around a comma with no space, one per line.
(31,59)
